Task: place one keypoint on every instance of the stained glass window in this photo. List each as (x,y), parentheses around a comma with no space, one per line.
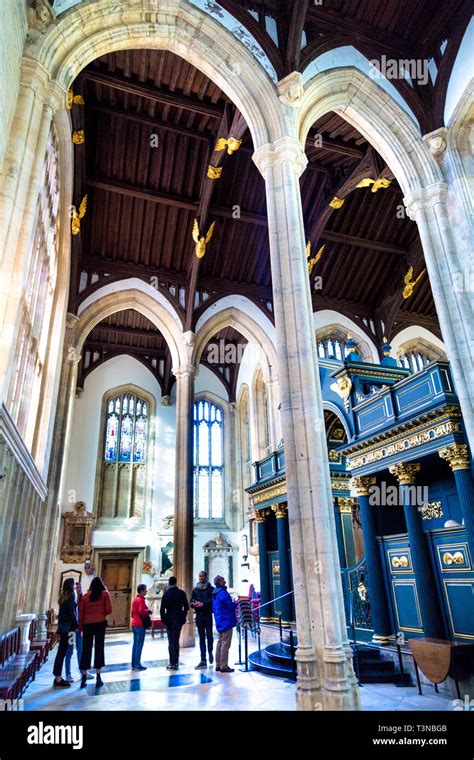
(208,461)
(126,429)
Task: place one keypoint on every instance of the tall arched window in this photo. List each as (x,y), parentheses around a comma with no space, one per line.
(208,461)
(123,455)
(37,297)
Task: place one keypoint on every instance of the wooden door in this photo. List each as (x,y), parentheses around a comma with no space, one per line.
(117,576)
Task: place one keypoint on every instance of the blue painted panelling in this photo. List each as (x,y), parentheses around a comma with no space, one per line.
(455,574)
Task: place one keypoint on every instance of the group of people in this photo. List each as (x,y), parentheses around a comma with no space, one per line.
(82,622)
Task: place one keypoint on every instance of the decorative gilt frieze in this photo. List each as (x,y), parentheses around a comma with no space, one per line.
(340,485)
(269,494)
(456,455)
(405,472)
(280,510)
(261,515)
(431,510)
(390,448)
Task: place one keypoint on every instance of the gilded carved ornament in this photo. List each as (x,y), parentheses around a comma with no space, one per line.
(231,143)
(405,472)
(71,98)
(200,240)
(337,202)
(456,455)
(261,515)
(78,137)
(313,261)
(363,484)
(410,283)
(280,510)
(214,172)
(77,216)
(377,184)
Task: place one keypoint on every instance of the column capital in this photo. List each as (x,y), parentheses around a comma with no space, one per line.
(425,198)
(344,503)
(283,149)
(281,510)
(456,455)
(362,484)
(405,472)
(261,515)
(184,370)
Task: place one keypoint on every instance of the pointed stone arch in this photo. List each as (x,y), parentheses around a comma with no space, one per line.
(90,30)
(387,127)
(103,306)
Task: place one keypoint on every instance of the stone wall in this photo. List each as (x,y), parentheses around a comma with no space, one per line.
(13,34)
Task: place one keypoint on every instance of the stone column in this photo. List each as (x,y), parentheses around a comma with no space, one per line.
(425,581)
(458,458)
(286,607)
(378,597)
(183,514)
(453,301)
(265,589)
(325,673)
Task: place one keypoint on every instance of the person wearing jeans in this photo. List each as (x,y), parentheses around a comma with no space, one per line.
(201,602)
(226,620)
(67,624)
(140,611)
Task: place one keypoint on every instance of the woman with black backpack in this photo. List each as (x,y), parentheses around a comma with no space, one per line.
(67,625)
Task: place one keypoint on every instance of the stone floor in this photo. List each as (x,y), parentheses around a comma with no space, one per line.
(156,689)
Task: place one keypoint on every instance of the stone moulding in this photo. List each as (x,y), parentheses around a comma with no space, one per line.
(10,435)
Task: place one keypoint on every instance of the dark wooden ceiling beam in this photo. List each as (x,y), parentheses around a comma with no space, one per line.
(157,95)
(134,332)
(103,345)
(334,146)
(155,123)
(98,264)
(326,18)
(357,242)
(297,19)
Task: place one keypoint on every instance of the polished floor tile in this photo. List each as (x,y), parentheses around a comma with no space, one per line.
(157,689)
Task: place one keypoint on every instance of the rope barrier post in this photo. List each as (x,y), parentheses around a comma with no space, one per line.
(293,650)
(246,644)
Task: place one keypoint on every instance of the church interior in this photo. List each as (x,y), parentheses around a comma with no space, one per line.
(236,336)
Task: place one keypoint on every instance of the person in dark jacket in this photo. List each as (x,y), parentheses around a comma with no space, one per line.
(201,602)
(226,620)
(67,625)
(173,610)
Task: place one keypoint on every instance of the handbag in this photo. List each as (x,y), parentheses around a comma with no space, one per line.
(146,622)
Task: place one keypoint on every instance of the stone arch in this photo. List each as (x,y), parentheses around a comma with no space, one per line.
(365,105)
(90,30)
(102,306)
(254,331)
(328,320)
(328,406)
(417,336)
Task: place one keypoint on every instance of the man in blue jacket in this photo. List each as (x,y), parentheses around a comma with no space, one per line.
(224,614)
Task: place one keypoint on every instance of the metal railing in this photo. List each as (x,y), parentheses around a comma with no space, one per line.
(249,621)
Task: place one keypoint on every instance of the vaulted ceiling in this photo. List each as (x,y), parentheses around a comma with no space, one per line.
(150,123)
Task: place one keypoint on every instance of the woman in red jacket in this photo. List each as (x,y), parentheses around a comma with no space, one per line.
(139,612)
(93,610)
